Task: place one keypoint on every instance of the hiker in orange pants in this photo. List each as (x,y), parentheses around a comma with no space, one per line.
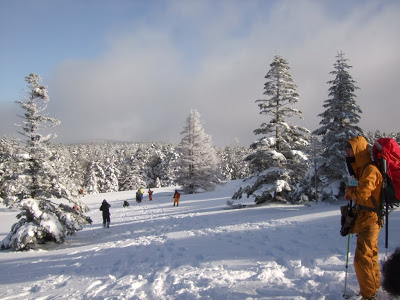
(176,198)
(367,197)
(366,263)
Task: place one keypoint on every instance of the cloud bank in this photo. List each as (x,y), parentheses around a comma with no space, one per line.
(213,56)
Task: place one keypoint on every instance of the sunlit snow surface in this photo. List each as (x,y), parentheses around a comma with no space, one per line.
(198,250)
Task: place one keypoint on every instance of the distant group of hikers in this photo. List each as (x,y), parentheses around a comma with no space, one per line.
(139,195)
(105,206)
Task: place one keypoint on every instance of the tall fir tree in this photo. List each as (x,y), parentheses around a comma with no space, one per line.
(338,124)
(282,93)
(279,160)
(41,219)
(198,164)
(39,171)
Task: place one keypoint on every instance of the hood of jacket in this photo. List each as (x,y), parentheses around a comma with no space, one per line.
(361,153)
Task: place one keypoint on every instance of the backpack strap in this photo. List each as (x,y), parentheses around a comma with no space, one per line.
(376,209)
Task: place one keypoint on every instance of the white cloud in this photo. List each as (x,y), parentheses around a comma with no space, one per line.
(213,56)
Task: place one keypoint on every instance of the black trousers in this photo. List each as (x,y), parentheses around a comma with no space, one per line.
(106,218)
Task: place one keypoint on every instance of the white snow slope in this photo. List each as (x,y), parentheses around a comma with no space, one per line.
(199,250)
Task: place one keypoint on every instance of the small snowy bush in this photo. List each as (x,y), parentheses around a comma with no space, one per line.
(42,221)
(271,185)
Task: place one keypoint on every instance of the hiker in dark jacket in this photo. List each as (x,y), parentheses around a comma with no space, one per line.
(138,197)
(105,208)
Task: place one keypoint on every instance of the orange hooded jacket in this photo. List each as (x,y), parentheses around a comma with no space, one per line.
(369,184)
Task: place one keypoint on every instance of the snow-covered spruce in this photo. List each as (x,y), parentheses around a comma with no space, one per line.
(280,160)
(338,124)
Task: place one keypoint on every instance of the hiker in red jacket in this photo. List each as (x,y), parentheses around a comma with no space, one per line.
(150,194)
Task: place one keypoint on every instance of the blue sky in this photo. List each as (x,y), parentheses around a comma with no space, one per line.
(133,70)
(41,34)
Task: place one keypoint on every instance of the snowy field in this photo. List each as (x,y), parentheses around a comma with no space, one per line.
(199,250)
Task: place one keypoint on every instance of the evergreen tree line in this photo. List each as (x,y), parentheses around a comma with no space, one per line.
(109,167)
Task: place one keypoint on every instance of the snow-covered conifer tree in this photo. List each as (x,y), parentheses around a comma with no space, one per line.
(198,160)
(12,183)
(155,169)
(338,124)
(41,220)
(142,156)
(38,170)
(157,184)
(169,174)
(233,165)
(95,178)
(279,160)
(131,177)
(69,171)
(373,136)
(112,174)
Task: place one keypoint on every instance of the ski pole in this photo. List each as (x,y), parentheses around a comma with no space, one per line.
(347,257)
(347,267)
(385,202)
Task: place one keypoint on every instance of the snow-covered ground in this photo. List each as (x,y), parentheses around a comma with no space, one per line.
(199,250)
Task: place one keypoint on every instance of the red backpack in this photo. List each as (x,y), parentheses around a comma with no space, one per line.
(386,153)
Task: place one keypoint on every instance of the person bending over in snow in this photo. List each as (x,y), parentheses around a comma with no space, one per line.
(105,208)
(176,198)
(367,197)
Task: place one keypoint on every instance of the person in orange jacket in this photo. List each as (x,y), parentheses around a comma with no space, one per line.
(367,197)
(176,198)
